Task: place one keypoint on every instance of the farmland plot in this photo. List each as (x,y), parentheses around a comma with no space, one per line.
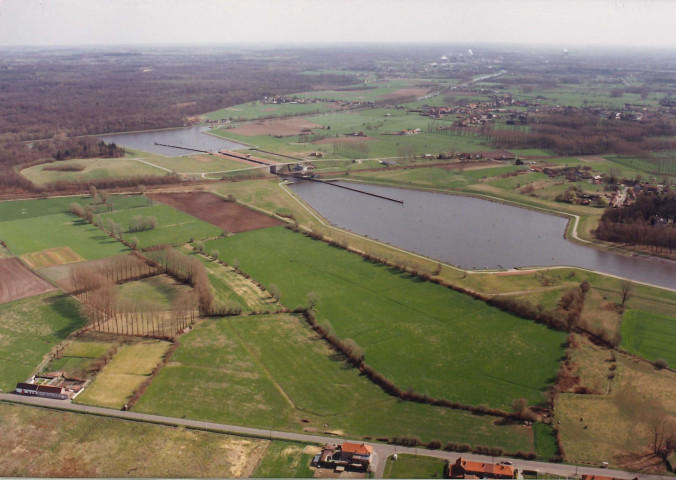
(418,334)
(17,281)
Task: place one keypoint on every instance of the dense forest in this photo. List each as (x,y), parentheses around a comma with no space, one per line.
(50,97)
(649,222)
(584,133)
(97,93)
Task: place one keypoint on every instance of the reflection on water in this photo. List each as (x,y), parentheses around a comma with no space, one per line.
(472,233)
(189,137)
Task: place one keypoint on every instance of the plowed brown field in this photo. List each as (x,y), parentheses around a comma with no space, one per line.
(17,281)
(229,216)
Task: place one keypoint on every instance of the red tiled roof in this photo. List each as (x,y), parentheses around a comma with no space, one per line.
(486,468)
(358,448)
(596,477)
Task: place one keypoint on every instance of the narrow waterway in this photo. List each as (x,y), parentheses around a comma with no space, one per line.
(189,137)
(472,233)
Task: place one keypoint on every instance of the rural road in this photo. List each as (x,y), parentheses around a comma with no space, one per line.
(382,450)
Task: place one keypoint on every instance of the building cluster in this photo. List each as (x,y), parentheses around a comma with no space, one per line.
(51,385)
(348,456)
(338,103)
(480,113)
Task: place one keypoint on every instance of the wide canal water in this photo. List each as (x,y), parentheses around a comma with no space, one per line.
(470,232)
(189,137)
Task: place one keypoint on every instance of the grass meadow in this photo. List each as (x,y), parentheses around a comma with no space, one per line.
(649,335)
(76,359)
(256,110)
(29,328)
(233,290)
(173,226)
(130,366)
(59,230)
(597,428)
(420,335)
(271,371)
(93,169)
(38,442)
(412,466)
(285,460)
(160,290)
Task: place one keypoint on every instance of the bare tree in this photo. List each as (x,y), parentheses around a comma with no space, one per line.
(663,430)
(626,291)
(274,291)
(312,300)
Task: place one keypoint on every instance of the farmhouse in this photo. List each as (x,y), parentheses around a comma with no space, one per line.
(354,456)
(50,386)
(597,477)
(465,469)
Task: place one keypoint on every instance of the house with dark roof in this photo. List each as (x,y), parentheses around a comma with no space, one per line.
(45,391)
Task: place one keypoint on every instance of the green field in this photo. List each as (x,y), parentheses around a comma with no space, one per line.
(126,371)
(447,344)
(377,124)
(41,443)
(29,329)
(160,290)
(78,356)
(256,110)
(232,290)
(413,466)
(650,335)
(94,169)
(544,441)
(195,164)
(59,230)
(284,460)
(271,371)
(22,209)
(173,226)
(44,207)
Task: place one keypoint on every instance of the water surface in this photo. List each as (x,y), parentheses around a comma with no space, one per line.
(188,137)
(472,233)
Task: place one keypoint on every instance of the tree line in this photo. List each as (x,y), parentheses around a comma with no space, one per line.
(96,286)
(649,222)
(584,133)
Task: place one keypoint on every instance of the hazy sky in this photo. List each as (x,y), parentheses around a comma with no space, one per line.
(563,23)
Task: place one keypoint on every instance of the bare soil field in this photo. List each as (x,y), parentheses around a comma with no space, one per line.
(229,216)
(283,127)
(17,281)
(51,257)
(343,140)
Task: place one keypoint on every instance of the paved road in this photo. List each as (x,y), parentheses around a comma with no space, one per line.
(382,450)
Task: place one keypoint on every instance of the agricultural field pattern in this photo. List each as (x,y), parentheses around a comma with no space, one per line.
(207,293)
